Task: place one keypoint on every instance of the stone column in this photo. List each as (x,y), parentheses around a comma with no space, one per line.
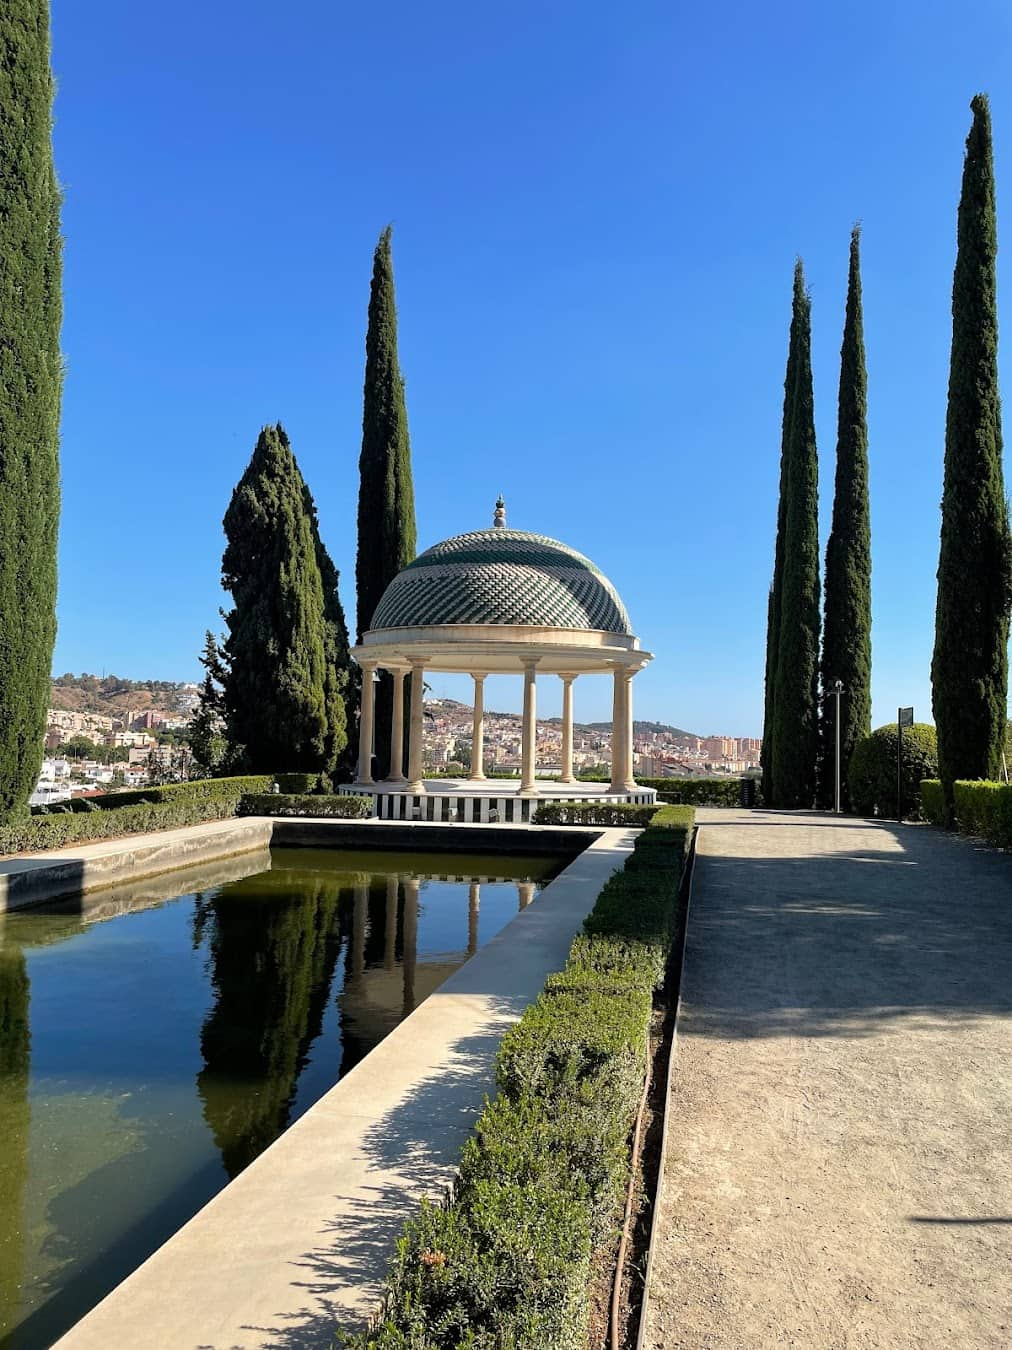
(567,729)
(358,918)
(529,733)
(390,924)
(411,888)
(473,905)
(628,746)
(619,724)
(396,774)
(365,726)
(415,784)
(477,773)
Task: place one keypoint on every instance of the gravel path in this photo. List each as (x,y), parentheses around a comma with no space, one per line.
(839,1167)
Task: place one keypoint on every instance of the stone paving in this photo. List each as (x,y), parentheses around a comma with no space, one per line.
(839,1152)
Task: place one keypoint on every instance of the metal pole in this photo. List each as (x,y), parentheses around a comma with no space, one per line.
(899,779)
(838,691)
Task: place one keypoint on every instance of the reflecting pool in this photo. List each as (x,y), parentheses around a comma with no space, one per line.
(153,1042)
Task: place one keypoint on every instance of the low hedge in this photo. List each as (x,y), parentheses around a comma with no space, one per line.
(209,790)
(504,1264)
(697,791)
(932,801)
(593,813)
(37,833)
(302,804)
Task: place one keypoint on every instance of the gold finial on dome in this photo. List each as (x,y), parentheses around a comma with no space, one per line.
(500,512)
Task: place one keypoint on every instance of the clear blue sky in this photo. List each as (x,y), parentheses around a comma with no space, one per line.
(596,211)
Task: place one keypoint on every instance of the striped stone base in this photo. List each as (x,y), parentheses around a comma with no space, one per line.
(446,802)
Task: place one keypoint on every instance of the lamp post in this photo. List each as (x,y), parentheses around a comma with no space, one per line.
(837,690)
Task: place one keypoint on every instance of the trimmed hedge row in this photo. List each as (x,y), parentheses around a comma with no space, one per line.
(504,1264)
(593,813)
(303,804)
(37,833)
(932,801)
(983,809)
(696,791)
(210,790)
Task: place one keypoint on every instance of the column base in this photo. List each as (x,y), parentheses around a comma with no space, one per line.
(528,792)
(476,778)
(417,789)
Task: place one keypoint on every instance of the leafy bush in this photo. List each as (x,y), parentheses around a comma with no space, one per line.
(932,801)
(871,777)
(593,813)
(293,804)
(504,1264)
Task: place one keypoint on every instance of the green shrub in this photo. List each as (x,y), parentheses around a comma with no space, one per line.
(593,813)
(697,791)
(58,829)
(871,777)
(505,1264)
(290,804)
(298,784)
(932,801)
(223,791)
(985,809)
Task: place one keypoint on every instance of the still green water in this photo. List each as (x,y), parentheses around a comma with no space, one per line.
(154,1040)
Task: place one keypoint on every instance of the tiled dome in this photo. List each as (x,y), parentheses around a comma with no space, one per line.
(502,576)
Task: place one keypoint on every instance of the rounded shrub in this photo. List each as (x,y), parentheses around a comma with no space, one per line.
(871,778)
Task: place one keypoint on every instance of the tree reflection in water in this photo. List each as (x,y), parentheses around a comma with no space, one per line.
(272,960)
(15,1053)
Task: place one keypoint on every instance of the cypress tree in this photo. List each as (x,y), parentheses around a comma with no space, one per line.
(796,678)
(768,755)
(207,728)
(31,377)
(969,669)
(386,500)
(846,639)
(275,689)
(336,650)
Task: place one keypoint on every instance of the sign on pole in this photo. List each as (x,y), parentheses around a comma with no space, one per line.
(904,718)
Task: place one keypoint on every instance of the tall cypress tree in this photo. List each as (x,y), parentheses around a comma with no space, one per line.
(386,499)
(796,678)
(846,638)
(31,376)
(969,669)
(768,756)
(339,681)
(275,689)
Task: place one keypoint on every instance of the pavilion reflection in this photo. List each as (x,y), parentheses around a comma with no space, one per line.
(285,944)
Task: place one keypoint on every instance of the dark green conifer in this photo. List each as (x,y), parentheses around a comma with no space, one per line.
(768,755)
(276,652)
(386,501)
(796,677)
(846,638)
(969,669)
(31,376)
(207,728)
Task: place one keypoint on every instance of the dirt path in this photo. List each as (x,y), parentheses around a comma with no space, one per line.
(839,1169)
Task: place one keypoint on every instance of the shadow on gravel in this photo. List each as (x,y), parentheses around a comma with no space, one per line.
(844,942)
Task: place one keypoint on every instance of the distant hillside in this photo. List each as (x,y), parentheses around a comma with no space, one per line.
(113,695)
(646,728)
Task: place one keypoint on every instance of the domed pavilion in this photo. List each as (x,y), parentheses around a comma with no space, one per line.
(497,602)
